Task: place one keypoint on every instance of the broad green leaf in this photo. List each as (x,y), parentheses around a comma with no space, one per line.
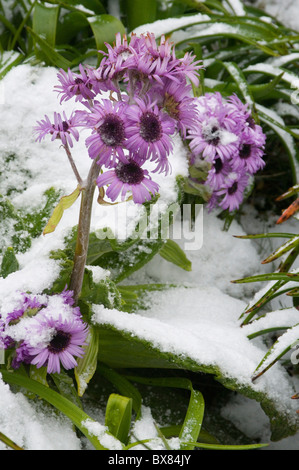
(173,253)
(80,419)
(87,365)
(120,349)
(139,12)
(104,28)
(65,203)
(9,262)
(118,416)
(44,21)
(193,420)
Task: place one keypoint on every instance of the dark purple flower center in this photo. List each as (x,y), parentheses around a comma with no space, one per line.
(65,126)
(150,127)
(129,173)
(112,131)
(233,188)
(251,122)
(78,81)
(59,342)
(245,151)
(218,165)
(212,137)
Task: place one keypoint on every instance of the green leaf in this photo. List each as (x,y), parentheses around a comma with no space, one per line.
(287,246)
(9,443)
(139,12)
(9,263)
(65,203)
(49,53)
(123,385)
(104,28)
(118,416)
(80,419)
(241,82)
(173,253)
(87,365)
(44,22)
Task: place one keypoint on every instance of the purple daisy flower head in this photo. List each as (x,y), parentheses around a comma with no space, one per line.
(128,177)
(149,131)
(62,128)
(233,191)
(218,174)
(211,139)
(66,340)
(180,105)
(108,139)
(250,156)
(188,67)
(74,84)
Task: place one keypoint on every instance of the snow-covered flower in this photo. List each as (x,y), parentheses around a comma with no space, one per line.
(45,330)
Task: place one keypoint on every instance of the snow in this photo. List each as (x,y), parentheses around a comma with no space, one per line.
(198,320)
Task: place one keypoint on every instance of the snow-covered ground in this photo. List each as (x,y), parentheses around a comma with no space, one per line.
(286,11)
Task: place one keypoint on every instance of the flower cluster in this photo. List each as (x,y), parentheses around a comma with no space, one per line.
(134,102)
(228,139)
(45,331)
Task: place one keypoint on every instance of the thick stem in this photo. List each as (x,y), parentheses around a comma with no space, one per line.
(83,231)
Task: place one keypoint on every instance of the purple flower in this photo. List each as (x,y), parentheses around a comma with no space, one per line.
(65,343)
(233,191)
(149,132)
(180,105)
(45,331)
(108,121)
(128,177)
(63,128)
(74,84)
(249,157)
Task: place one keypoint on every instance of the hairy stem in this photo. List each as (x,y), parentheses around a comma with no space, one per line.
(83,231)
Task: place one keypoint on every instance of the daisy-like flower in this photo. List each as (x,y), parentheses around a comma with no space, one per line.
(210,138)
(250,155)
(233,191)
(149,132)
(217,131)
(128,177)
(62,128)
(218,174)
(108,121)
(67,336)
(180,105)
(74,85)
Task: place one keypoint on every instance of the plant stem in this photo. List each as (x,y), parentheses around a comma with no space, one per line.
(83,231)
(73,165)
